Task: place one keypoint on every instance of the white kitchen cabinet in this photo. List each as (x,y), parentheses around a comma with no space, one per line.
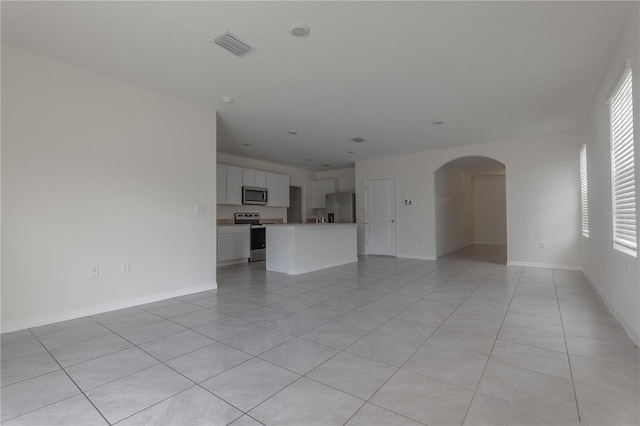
(261,179)
(272,186)
(221,184)
(248,177)
(255,178)
(278,186)
(231,179)
(319,190)
(283,190)
(234,186)
(233,243)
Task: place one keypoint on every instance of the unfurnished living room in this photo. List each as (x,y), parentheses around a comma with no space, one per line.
(320,213)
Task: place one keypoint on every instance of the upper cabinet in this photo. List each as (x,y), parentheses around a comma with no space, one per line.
(248,177)
(261,179)
(234,185)
(319,190)
(221,184)
(283,191)
(231,179)
(255,178)
(272,187)
(278,186)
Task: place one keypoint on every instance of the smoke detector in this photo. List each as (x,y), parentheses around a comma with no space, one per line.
(299,30)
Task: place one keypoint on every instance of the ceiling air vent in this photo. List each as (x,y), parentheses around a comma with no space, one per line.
(359,140)
(232,43)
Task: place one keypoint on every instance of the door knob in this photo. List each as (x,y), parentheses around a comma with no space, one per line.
(393,221)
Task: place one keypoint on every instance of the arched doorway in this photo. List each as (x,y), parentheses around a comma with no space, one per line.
(471,210)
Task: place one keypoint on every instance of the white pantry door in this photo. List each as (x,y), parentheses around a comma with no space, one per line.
(381,216)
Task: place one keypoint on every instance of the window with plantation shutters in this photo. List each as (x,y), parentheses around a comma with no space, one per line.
(584,196)
(623,167)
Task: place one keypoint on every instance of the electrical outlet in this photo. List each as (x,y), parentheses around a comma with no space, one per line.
(543,244)
(94,272)
(200,208)
(124,268)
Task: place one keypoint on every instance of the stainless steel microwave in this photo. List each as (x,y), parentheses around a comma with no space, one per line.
(253,195)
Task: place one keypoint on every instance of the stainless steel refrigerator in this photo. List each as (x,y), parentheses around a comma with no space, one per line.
(341,207)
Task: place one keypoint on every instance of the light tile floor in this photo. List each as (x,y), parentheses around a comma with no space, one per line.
(384,341)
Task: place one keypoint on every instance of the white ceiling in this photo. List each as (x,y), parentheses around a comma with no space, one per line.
(383,71)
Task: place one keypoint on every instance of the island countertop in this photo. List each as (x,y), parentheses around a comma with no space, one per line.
(297,248)
(308,224)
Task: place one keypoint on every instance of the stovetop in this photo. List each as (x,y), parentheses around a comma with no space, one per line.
(246,218)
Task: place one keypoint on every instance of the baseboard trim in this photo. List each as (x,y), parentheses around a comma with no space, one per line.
(544,265)
(232,262)
(464,246)
(633,335)
(409,256)
(491,243)
(98,309)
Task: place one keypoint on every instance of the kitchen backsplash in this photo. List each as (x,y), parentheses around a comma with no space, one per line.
(226,212)
(264,221)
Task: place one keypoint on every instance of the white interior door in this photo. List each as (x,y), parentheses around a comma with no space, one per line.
(381,217)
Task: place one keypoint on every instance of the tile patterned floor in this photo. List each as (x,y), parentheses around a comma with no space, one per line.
(384,341)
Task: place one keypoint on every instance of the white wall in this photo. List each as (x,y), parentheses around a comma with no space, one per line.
(96,171)
(347,178)
(454,209)
(616,275)
(489,210)
(299,177)
(542,197)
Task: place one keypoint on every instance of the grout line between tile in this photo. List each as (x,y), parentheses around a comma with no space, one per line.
(74,382)
(493,346)
(573,383)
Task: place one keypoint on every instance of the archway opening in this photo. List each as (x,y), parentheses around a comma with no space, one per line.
(471,210)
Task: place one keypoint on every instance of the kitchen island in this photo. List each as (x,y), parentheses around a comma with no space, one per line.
(298,248)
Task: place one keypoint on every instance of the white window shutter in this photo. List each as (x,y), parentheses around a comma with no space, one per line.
(584,195)
(623,167)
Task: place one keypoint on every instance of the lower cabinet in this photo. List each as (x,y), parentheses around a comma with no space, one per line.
(234,243)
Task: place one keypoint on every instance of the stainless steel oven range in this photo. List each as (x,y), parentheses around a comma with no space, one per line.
(258,235)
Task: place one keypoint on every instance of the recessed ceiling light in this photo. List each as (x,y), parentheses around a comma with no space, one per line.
(299,30)
(438,122)
(227,99)
(292,132)
(359,140)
